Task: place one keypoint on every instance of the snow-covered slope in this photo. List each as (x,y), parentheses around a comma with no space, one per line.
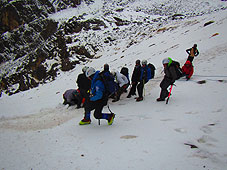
(38,132)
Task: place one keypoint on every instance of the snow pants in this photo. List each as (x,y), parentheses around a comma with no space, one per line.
(84,94)
(190,58)
(165,83)
(120,91)
(97,106)
(133,89)
(140,88)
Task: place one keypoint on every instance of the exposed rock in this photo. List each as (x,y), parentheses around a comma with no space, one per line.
(75,25)
(208,23)
(178,16)
(201,82)
(49,30)
(120,22)
(66,65)
(32,45)
(191,145)
(63,4)
(82,51)
(16,13)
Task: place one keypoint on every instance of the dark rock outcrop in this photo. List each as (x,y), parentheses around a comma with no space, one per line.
(33,41)
(16,13)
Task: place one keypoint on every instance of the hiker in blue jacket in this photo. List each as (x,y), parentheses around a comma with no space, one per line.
(145,76)
(97,99)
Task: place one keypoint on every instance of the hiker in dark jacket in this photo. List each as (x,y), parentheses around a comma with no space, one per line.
(152,67)
(72,97)
(169,78)
(106,69)
(193,52)
(109,78)
(97,99)
(145,76)
(135,79)
(83,84)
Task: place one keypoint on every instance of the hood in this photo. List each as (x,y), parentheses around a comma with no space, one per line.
(170,61)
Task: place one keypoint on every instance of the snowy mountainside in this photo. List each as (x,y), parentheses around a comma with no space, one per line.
(38,132)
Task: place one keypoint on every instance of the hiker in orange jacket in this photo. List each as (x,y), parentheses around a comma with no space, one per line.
(193,52)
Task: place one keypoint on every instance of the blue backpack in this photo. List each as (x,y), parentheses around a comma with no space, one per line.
(110,85)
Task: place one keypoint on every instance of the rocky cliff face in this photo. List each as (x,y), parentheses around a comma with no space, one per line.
(32,47)
(35,48)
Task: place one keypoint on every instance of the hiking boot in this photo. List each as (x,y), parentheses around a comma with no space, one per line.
(85,122)
(160,99)
(111,119)
(115,100)
(139,99)
(129,96)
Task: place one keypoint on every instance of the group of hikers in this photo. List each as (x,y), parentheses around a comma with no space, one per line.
(95,88)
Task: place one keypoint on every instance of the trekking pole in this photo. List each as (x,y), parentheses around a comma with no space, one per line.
(169,94)
(143,89)
(109,108)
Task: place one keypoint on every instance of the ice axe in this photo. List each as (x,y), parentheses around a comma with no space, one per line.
(169,94)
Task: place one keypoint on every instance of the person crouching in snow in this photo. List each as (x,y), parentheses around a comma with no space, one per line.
(169,78)
(97,99)
(122,82)
(187,69)
(145,76)
(72,97)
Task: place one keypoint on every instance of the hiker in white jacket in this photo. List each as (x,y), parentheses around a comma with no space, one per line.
(123,83)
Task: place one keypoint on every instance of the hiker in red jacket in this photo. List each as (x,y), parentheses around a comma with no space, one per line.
(187,69)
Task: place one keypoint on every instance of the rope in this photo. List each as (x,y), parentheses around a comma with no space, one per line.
(208,76)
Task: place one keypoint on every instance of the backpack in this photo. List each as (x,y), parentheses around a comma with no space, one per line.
(152,67)
(110,85)
(178,69)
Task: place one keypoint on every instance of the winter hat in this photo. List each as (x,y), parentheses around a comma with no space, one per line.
(144,62)
(84,69)
(90,71)
(138,62)
(165,61)
(106,67)
(188,62)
